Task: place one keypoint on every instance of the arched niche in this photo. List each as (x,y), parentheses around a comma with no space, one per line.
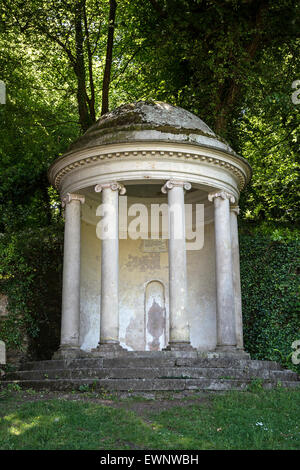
(155,316)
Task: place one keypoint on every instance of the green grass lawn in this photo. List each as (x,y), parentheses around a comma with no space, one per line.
(234,420)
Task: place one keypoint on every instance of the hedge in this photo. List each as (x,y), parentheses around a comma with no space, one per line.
(270,301)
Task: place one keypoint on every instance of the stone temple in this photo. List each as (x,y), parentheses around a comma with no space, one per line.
(151,279)
(144,294)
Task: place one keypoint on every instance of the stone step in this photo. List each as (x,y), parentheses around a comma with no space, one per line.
(145,385)
(228,362)
(151,362)
(61,364)
(152,373)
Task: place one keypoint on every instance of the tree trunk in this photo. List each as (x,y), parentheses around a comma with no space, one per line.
(108,60)
(91,100)
(79,68)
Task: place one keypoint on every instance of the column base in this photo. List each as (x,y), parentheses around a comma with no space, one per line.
(108,348)
(232,351)
(67,352)
(179,346)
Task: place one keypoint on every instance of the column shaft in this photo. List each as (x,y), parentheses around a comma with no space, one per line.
(70,320)
(109,330)
(179,327)
(109,319)
(226,332)
(236,276)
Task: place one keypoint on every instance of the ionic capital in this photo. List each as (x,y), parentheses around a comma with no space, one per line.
(72,197)
(113,185)
(235,209)
(223,195)
(175,183)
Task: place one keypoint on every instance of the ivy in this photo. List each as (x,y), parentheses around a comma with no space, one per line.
(30,276)
(269,278)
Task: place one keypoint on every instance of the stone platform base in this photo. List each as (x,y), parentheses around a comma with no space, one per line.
(104,349)
(144,372)
(67,353)
(180,346)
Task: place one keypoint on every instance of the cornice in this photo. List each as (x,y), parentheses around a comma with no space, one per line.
(56,176)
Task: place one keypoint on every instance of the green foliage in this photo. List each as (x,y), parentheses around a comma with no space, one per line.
(270,296)
(35,127)
(84,388)
(267,134)
(233,64)
(255,385)
(30,275)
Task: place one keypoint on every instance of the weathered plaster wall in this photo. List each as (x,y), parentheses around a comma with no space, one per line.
(90,281)
(202,293)
(137,269)
(143,291)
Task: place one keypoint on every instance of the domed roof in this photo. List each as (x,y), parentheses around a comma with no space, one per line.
(149,141)
(149,121)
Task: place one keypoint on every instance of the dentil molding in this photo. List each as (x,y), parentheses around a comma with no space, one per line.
(148,155)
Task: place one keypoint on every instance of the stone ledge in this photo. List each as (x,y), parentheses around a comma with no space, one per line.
(212,373)
(144,385)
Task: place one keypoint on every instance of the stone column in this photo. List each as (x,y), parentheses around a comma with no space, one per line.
(179,328)
(226,330)
(70,319)
(234,212)
(109,319)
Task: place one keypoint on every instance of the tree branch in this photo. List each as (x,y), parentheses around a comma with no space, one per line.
(117,74)
(108,60)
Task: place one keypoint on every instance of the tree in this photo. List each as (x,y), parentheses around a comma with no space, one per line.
(73,29)
(210,51)
(233,64)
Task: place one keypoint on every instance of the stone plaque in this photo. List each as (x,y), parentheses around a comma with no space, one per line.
(155,246)
(2,353)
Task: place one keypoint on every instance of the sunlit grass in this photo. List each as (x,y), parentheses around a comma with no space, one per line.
(249,420)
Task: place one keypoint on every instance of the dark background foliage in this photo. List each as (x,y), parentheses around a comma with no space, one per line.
(32,263)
